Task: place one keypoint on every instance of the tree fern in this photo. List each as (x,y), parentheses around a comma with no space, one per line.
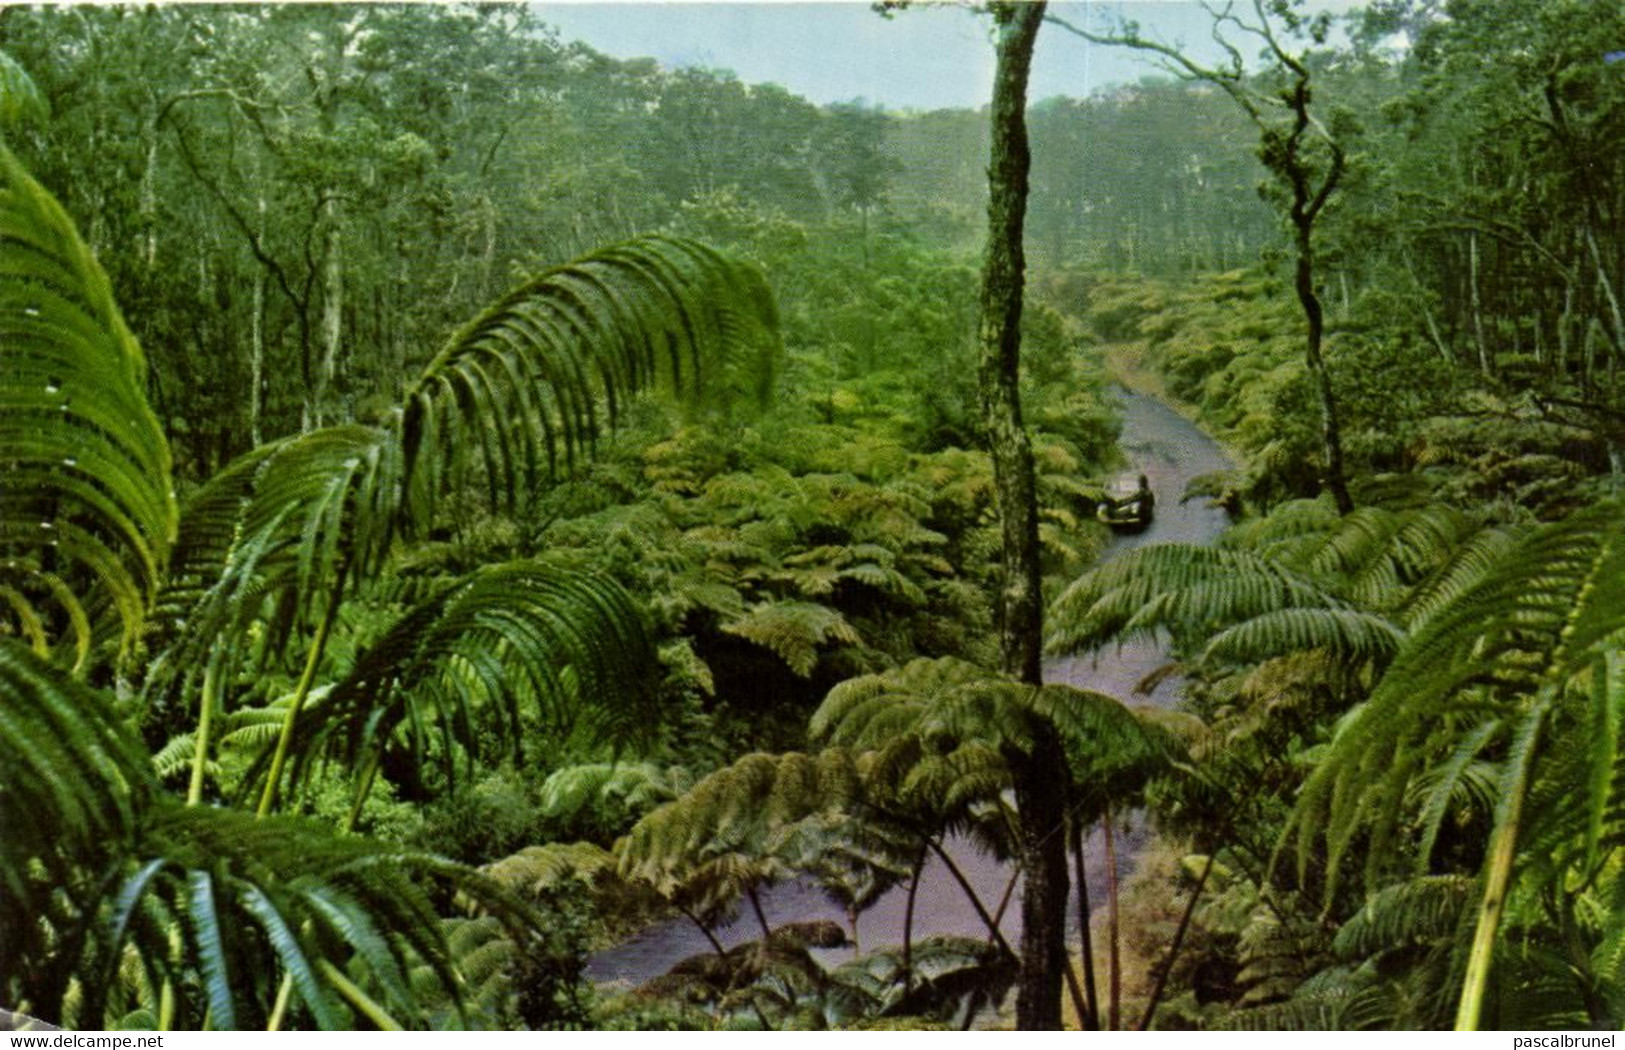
(794,631)
(718,841)
(617,793)
(1184,590)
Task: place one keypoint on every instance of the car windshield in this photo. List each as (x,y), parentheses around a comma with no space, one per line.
(1127,485)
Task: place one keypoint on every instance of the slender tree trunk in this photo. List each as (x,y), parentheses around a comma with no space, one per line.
(256,339)
(908,922)
(1039,774)
(989,921)
(1114,1001)
(1427,312)
(332,305)
(149,196)
(1476,304)
(1173,949)
(1086,939)
(761,917)
(1565,330)
(1315,316)
(1606,284)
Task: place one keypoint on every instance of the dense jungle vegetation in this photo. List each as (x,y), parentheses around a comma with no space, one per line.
(466,497)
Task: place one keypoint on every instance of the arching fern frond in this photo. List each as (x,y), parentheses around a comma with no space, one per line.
(794,631)
(716,841)
(280,533)
(20,99)
(942,732)
(520,389)
(627,788)
(1540,617)
(536,869)
(87,514)
(73,786)
(535,636)
(1518,653)
(255,899)
(1419,912)
(1346,634)
(1184,590)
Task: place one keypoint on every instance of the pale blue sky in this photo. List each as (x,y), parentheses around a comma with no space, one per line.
(923,58)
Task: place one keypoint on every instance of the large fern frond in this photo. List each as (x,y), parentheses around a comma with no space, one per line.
(277,536)
(794,631)
(707,847)
(87,514)
(255,899)
(73,788)
(20,99)
(1537,621)
(527,387)
(540,637)
(1184,590)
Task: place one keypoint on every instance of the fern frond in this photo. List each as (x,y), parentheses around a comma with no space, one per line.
(538,636)
(1349,635)
(794,631)
(540,868)
(73,788)
(87,508)
(519,388)
(633,787)
(254,899)
(1419,912)
(1184,590)
(1537,620)
(706,848)
(20,100)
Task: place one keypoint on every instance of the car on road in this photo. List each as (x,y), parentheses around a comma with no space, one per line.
(1129,504)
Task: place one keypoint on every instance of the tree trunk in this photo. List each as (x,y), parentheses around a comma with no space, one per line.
(1040,774)
(1114,1001)
(256,343)
(1331,432)
(1476,305)
(1040,780)
(1173,949)
(1003,273)
(1086,945)
(908,923)
(332,306)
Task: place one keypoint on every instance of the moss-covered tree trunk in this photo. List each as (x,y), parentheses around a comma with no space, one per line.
(1040,770)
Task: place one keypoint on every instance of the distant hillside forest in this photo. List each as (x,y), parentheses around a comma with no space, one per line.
(467,500)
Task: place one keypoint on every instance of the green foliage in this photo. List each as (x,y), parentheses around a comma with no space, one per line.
(213,904)
(527,639)
(602,800)
(87,515)
(577,340)
(1525,637)
(718,841)
(20,99)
